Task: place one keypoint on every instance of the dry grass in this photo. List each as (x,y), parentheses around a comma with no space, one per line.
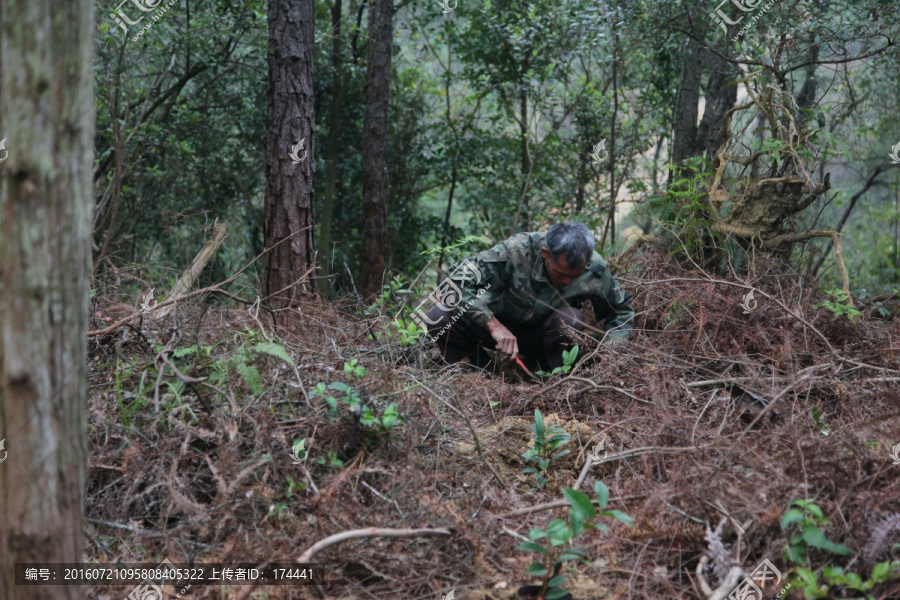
(207,479)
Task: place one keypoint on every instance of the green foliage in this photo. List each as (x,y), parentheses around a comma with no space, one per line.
(300,450)
(808,522)
(135,407)
(333,461)
(293,486)
(245,356)
(807,519)
(839,305)
(389,419)
(569,357)
(683,210)
(771,146)
(452,251)
(820,424)
(833,582)
(384,422)
(557,550)
(544,449)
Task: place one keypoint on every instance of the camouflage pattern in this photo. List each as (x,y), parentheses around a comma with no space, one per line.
(521,293)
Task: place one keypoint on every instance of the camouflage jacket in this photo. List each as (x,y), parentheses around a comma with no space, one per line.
(520,294)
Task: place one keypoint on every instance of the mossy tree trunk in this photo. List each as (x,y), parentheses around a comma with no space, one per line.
(47,120)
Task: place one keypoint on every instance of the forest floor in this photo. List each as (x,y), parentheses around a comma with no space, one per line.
(203,471)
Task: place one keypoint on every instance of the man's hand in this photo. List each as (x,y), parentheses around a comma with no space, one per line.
(506,341)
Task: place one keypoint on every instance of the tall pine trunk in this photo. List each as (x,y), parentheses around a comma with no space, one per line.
(375,186)
(289,185)
(47,120)
(338,89)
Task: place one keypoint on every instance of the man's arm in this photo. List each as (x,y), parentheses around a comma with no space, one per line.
(613,303)
(484,288)
(493,274)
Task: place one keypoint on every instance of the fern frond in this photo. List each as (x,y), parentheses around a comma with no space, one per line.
(251,378)
(276,350)
(881,532)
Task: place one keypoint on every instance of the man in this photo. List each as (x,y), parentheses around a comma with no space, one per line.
(524,290)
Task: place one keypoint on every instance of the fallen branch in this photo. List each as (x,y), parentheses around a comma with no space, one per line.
(211,289)
(368,532)
(521,410)
(720,593)
(192,273)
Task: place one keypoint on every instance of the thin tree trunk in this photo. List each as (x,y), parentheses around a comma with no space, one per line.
(291,118)
(375,186)
(47,117)
(339,87)
(611,219)
(870,181)
(526,157)
(446,233)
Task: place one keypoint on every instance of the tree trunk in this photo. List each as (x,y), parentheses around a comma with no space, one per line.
(686,105)
(338,88)
(47,119)
(289,184)
(375,186)
(526,156)
(721,96)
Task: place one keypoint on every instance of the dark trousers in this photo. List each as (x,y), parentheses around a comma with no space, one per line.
(544,341)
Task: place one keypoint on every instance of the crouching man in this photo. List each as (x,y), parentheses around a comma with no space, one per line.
(517,296)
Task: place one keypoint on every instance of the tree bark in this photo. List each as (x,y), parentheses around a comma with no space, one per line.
(338,88)
(291,118)
(686,105)
(721,96)
(47,118)
(375,186)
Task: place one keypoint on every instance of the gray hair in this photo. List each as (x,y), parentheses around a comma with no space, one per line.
(574,240)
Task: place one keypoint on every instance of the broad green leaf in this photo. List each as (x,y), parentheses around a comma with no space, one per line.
(602,494)
(555,593)
(791,516)
(536,534)
(813,536)
(582,509)
(536,569)
(808,577)
(815,510)
(618,514)
(880,572)
(557,581)
(531,547)
(539,428)
(572,554)
(832,572)
(558,532)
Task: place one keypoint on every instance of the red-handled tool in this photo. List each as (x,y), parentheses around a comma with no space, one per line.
(524,368)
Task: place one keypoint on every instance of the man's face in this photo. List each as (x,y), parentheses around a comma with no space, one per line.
(559,271)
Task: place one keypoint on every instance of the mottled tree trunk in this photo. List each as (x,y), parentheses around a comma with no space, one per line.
(47,119)
(375,186)
(289,185)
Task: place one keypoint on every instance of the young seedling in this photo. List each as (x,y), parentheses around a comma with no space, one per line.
(557,550)
(569,357)
(544,450)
